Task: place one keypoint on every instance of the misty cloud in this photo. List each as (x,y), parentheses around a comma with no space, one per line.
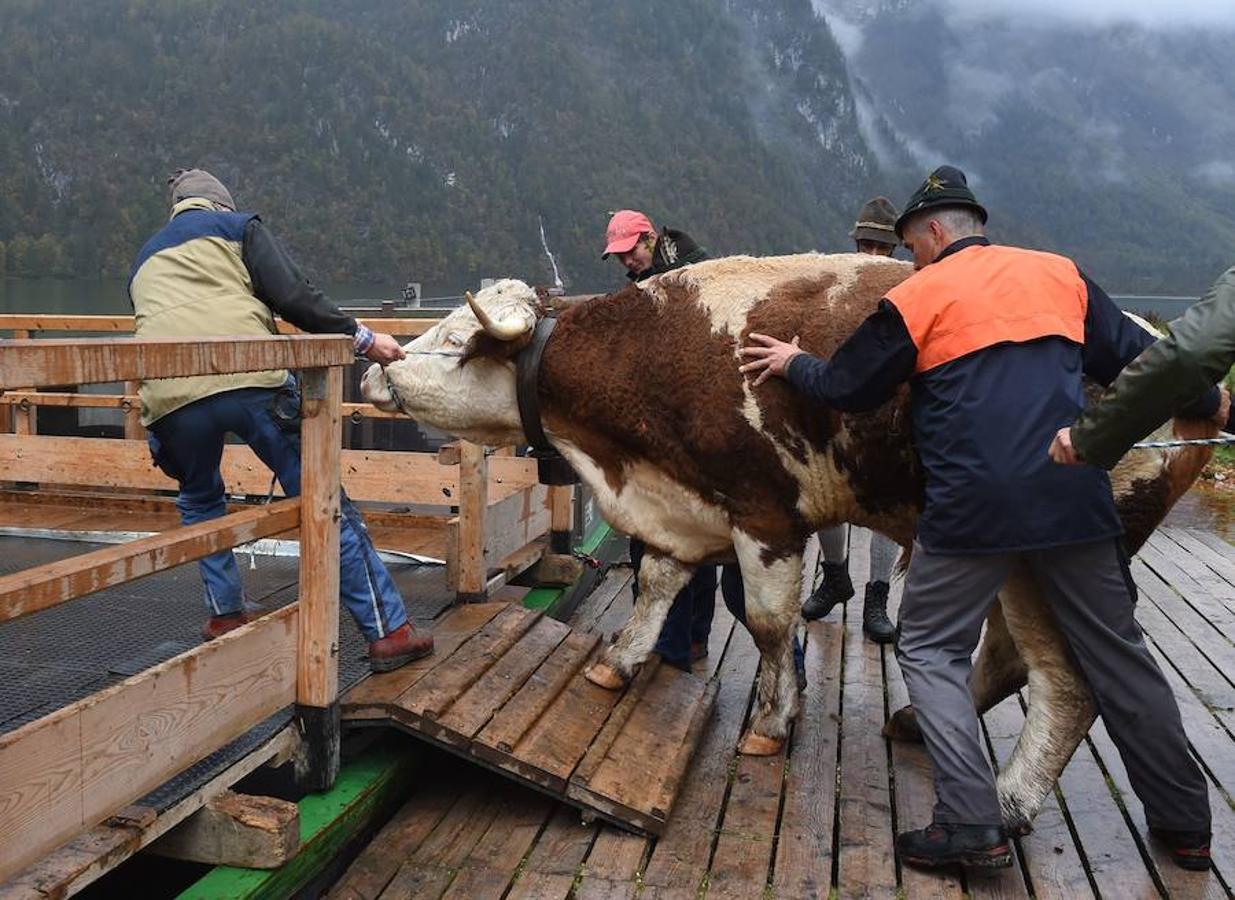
(1149,13)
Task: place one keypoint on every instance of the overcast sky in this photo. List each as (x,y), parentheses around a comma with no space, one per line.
(1154,13)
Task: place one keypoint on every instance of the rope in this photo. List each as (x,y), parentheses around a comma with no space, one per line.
(1199,442)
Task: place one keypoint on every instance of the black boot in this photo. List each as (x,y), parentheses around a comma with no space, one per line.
(1189,849)
(945,844)
(875,621)
(836,587)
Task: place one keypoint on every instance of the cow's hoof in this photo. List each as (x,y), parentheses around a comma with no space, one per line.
(755,744)
(605,676)
(903,726)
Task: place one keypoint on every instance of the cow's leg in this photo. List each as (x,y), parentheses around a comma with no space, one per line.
(772,612)
(998,669)
(1060,711)
(660,579)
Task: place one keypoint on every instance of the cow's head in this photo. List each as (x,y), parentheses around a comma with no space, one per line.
(460,375)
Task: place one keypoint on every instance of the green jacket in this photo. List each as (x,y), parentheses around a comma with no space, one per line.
(1163,380)
(673,250)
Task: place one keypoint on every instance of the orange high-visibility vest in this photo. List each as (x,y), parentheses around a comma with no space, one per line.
(986,295)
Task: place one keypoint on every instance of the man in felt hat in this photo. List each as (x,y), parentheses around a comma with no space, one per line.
(213,271)
(873,233)
(993,341)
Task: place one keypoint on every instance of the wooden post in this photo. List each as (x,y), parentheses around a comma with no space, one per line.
(317,671)
(473,502)
(561,507)
(25,421)
(133,429)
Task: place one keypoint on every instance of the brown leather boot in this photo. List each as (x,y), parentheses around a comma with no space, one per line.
(217,626)
(399,648)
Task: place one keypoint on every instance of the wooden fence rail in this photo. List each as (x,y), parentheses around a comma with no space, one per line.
(68,771)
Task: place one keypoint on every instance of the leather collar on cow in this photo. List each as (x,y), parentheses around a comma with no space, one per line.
(527,372)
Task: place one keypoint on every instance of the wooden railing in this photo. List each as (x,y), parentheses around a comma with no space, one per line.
(505,520)
(70,770)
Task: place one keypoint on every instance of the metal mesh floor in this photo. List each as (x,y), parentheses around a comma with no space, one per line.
(59,655)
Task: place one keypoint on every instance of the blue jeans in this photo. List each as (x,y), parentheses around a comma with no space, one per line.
(689,620)
(188,445)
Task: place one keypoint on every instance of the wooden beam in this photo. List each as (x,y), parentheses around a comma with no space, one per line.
(68,869)
(72,769)
(38,363)
(384,476)
(514,523)
(38,588)
(317,669)
(133,428)
(84,401)
(473,499)
(236,830)
(125,324)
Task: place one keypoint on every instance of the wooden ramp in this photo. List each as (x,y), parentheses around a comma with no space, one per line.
(505,689)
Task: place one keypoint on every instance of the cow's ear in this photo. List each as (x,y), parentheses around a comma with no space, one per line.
(485,346)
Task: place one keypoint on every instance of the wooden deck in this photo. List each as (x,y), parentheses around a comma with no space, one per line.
(821,818)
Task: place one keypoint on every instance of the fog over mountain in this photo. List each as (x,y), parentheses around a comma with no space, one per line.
(431,139)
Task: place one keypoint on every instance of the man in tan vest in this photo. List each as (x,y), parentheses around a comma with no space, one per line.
(213,271)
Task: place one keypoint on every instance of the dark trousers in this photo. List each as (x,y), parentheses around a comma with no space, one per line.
(1091,592)
(690,617)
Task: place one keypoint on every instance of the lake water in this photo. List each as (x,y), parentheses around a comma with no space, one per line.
(97,297)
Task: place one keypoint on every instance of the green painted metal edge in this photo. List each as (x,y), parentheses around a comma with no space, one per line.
(373,783)
(548,597)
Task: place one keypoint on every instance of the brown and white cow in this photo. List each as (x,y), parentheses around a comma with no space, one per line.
(640,391)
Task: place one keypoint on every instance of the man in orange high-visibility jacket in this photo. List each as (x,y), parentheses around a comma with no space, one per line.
(993,342)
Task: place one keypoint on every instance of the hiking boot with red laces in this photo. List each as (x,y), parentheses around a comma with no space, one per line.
(1189,849)
(944,844)
(217,626)
(399,648)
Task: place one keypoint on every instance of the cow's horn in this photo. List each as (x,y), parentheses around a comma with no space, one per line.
(505,330)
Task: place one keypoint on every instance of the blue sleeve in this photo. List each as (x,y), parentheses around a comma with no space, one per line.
(866,370)
(1112,340)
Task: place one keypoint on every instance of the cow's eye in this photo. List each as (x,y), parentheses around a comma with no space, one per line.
(455,339)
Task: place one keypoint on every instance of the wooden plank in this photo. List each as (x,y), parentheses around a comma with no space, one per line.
(1115,862)
(94,853)
(373,697)
(472,709)
(468,575)
(866,862)
(636,777)
(429,871)
(39,363)
(321,432)
(133,428)
(680,860)
(233,829)
(1206,596)
(433,694)
(385,476)
(1191,542)
(43,586)
(804,850)
(51,398)
(612,867)
(513,523)
(1178,882)
(399,839)
(1048,854)
(743,855)
(491,865)
(509,724)
(70,770)
(555,859)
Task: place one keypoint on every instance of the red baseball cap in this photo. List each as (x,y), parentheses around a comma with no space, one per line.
(625,228)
